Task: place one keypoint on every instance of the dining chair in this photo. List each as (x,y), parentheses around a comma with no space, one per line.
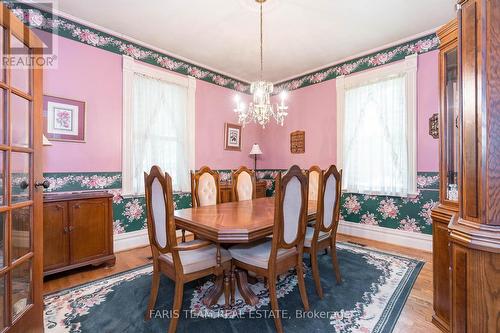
(313,174)
(244,184)
(182,262)
(271,257)
(205,187)
(323,233)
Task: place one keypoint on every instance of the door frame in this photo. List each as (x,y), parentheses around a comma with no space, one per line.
(31,319)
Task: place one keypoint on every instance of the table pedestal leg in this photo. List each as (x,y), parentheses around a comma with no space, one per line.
(215,291)
(245,291)
(233,285)
(219,284)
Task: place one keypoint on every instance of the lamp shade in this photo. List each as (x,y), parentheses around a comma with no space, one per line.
(255,150)
(45,141)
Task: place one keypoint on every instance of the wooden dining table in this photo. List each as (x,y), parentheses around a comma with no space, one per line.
(232,223)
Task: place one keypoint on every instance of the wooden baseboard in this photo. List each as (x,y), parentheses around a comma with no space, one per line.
(134,239)
(392,236)
(130,240)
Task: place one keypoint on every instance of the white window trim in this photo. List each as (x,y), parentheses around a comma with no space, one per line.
(407,66)
(130,67)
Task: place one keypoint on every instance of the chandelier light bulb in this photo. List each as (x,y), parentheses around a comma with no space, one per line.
(283,95)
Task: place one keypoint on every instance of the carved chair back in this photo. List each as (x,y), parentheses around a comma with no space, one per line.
(314,173)
(244,184)
(160,213)
(205,187)
(330,190)
(290,212)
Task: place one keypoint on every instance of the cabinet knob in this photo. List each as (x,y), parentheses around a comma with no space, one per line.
(68,229)
(77,206)
(45,184)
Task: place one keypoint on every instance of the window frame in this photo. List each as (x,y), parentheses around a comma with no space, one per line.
(131,67)
(408,67)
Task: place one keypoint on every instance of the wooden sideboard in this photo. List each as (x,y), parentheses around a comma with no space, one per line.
(77,230)
(226,191)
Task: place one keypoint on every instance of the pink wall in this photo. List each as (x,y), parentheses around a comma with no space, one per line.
(428,104)
(313,109)
(214,107)
(95,76)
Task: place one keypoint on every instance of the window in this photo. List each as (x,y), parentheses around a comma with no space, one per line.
(376,132)
(158,125)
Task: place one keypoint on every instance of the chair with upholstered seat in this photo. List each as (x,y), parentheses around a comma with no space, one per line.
(323,234)
(272,257)
(243,181)
(205,187)
(182,262)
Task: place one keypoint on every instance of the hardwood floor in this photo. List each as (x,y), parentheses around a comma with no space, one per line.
(415,317)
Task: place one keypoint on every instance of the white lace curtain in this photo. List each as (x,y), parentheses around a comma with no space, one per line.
(377,129)
(375,132)
(160,132)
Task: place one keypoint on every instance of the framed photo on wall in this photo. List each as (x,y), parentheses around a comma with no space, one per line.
(232,137)
(64,119)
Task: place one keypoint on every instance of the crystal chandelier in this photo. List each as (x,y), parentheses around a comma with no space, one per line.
(260,110)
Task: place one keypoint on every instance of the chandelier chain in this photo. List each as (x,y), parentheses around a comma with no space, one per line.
(260,110)
(261,42)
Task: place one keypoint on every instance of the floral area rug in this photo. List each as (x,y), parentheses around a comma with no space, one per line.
(374,289)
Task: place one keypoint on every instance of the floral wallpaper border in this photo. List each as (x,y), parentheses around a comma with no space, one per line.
(43,20)
(83,181)
(408,214)
(46,21)
(417,46)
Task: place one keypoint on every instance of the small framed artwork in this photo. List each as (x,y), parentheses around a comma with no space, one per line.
(64,119)
(232,137)
(298,142)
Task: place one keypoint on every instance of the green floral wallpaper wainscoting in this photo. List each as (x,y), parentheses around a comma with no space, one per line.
(409,214)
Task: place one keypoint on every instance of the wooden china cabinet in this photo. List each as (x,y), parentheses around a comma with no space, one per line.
(474,229)
(448,194)
(475,232)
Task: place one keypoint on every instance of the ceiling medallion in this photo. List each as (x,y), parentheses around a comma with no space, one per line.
(260,110)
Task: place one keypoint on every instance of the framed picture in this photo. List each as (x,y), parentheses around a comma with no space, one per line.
(232,137)
(298,142)
(64,119)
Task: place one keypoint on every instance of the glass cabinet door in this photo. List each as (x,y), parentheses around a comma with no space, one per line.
(451,121)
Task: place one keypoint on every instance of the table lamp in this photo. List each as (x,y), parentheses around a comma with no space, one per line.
(255,151)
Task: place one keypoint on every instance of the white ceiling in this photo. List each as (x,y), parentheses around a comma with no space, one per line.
(299,35)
